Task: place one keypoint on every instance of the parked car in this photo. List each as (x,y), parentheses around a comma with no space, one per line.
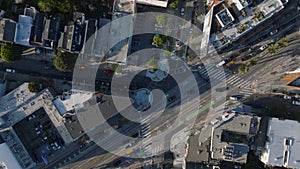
(182,12)
(273,32)
(296,103)
(10,71)
(31,117)
(263,47)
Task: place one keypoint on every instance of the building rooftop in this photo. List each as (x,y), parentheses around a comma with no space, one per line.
(224,17)
(7,158)
(7,30)
(3,84)
(230,138)
(283,144)
(197,153)
(68,102)
(51,31)
(241,4)
(268,7)
(23,30)
(38,28)
(158,3)
(124,6)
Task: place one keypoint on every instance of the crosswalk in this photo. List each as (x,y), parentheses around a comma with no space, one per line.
(211,72)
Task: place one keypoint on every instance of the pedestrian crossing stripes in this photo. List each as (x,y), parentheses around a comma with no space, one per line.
(212,72)
(246,92)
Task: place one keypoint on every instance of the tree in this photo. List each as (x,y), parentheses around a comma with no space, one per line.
(273,48)
(283,43)
(243,68)
(63,6)
(159,40)
(162,20)
(173,3)
(10,52)
(65,61)
(167,53)
(152,64)
(34,87)
(253,61)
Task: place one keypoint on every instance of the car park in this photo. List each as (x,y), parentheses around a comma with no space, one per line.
(10,71)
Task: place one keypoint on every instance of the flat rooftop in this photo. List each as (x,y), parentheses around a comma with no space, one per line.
(230,138)
(23,31)
(283,145)
(69,102)
(7,158)
(268,7)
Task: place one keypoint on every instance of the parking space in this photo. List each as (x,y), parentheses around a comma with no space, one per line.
(39,135)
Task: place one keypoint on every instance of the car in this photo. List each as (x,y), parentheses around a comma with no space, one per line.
(287,97)
(182,12)
(294,102)
(263,47)
(10,71)
(38,132)
(273,32)
(31,117)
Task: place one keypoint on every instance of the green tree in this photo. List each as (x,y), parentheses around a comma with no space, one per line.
(273,48)
(162,20)
(65,61)
(63,6)
(167,53)
(253,61)
(34,87)
(10,52)
(159,40)
(173,3)
(283,43)
(243,68)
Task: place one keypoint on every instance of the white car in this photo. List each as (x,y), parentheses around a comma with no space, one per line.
(10,70)
(263,47)
(182,12)
(296,103)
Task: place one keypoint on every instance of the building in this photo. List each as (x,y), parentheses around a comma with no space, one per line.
(158,3)
(69,102)
(224,17)
(23,30)
(7,158)
(231,138)
(18,106)
(283,144)
(7,30)
(51,33)
(232,19)
(3,84)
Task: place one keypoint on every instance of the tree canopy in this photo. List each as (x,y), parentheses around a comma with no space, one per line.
(10,52)
(159,40)
(34,86)
(63,6)
(243,68)
(65,61)
(162,20)
(273,48)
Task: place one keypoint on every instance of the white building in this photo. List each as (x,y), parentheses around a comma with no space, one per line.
(7,158)
(283,144)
